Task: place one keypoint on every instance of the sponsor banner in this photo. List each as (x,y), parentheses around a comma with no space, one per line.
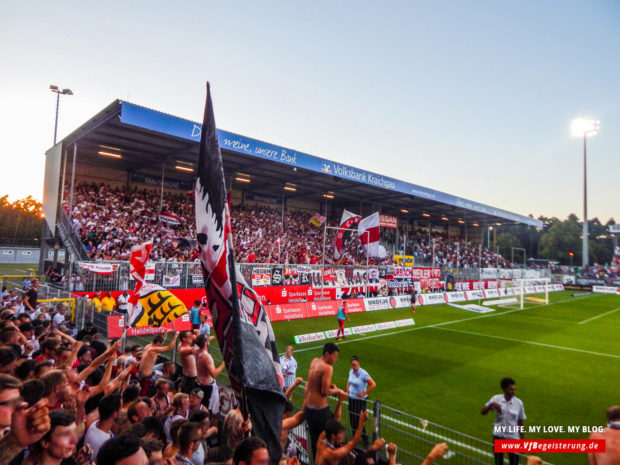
(606,289)
(386,325)
(540,288)
(322,308)
(529,289)
(558,287)
(333,332)
(284,294)
(324,293)
(99,268)
(431,299)
(456,296)
(405,322)
(385,303)
(116,324)
(363,329)
(281,312)
(311,337)
(355,306)
(261,276)
(197,279)
(388,221)
(171,281)
(491,293)
(471,295)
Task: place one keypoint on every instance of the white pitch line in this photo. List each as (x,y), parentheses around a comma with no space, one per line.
(599,316)
(306,349)
(532,343)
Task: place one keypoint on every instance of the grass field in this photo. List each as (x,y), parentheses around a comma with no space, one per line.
(565,358)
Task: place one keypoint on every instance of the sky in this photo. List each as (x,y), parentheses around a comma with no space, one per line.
(473,98)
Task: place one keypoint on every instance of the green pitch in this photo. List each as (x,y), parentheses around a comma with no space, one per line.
(565,358)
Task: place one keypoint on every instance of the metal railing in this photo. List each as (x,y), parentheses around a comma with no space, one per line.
(69,236)
(414,436)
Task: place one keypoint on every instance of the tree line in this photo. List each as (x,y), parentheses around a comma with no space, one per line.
(20,221)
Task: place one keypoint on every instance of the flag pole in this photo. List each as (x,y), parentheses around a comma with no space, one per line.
(367,256)
(323,259)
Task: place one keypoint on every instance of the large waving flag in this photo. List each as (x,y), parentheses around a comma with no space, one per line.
(241,323)
(149,304)
(368,230)
(347,221)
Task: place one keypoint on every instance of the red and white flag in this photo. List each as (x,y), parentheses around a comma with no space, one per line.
(169,218)
(347,222)
(368,231)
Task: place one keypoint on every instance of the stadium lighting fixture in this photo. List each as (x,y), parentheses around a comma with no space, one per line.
(460,222)
(475,224)
(404,210)
(238,173)
(426,215)
(329,195)
(184,168)
(242,179)
(290,188)
(110,154)
(498,224)
(444,218)
(58,93)
(584,127)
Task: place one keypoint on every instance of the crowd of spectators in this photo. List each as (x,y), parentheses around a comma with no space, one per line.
(71,397)
(109,221)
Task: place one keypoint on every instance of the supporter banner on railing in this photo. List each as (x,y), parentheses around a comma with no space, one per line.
(404,260)
(99,268)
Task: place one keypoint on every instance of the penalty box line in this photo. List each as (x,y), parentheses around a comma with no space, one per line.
(436,325)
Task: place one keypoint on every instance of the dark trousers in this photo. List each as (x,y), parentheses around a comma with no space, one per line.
(188,383)
(513,459)
(316,418)
(356,405)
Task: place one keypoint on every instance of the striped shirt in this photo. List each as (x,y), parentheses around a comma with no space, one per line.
(290,365)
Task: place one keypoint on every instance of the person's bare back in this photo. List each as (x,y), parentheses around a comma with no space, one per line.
(150,354)
(319,375)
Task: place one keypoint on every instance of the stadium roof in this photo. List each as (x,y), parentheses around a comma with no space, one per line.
(147,139)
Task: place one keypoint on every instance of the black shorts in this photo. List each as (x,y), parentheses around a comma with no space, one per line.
(317,418)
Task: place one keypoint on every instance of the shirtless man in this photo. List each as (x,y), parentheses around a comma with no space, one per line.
(187,352)
(207,372)
(330,447)
(319,386)
(149,357)
(611,436)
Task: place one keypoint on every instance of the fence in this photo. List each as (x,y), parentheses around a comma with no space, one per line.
(414,436)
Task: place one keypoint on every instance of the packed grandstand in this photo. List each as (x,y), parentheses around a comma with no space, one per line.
(109,221)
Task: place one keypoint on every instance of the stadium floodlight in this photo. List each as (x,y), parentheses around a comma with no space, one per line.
(581,127)
(460,222)
(58,92)
(426,215)
(475,224)
(242,179)
(584,127)
(404,210)
(184,168)
(290,188)
(328,196)
(444,218)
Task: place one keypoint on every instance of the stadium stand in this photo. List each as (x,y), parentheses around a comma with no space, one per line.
(109,221)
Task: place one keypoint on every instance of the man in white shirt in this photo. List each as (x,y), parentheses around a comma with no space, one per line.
(59,317)
(289,367)
(121,302)
(100,431)
(509,416)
